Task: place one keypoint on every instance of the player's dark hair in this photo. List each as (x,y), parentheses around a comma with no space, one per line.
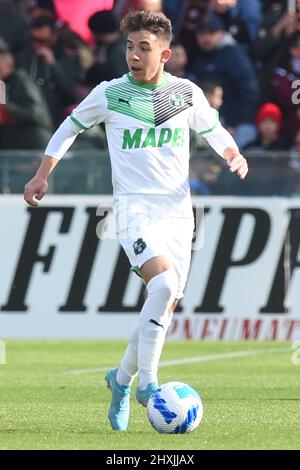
(155,23)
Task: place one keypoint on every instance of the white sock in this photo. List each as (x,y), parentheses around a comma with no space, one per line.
(128,368)
(154,323)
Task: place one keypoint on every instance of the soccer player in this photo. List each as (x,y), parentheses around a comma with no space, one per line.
(147,114)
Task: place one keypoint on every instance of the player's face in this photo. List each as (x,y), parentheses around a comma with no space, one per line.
(146,55)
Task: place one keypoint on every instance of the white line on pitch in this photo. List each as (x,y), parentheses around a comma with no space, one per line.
(191,360)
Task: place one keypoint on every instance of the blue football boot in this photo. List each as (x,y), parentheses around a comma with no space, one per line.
(143,396)
(120,402)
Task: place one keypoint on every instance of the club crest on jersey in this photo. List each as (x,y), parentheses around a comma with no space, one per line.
(176,100)
(139,246)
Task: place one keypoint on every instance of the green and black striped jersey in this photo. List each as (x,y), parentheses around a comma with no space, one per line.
(147,129)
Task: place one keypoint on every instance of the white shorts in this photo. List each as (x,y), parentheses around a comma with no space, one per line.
(146,237)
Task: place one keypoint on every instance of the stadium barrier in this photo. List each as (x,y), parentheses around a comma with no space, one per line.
(59,280)
(87,171)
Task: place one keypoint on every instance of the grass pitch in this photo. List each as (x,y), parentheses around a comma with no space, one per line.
(251,400)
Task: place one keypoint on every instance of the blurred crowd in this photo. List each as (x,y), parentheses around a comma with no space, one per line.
(245,54)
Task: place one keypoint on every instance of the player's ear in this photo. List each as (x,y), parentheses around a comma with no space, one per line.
(165,55)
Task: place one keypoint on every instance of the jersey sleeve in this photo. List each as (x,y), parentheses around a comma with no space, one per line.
(203,118)
(92,110)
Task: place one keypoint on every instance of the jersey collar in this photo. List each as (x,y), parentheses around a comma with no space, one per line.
(149,87)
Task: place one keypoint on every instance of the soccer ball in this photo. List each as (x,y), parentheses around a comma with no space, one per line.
(175,408)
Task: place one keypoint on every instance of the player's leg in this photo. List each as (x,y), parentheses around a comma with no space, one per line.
(146,343)
(145,347)
(119,381)
(166,278)
(128,368)
(162,284)
(155,318)
(179,251)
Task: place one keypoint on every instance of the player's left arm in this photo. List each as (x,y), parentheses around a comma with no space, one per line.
(237,163)
(223,143)
(205,120)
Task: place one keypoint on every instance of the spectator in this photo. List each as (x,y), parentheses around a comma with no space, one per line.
(13,28)
(283,89)
(185,17)
(72,40)
(269,124)
(20,7)
(24,120)
(53,64)
(220,58)
(269,48)
(109,48)
(39,8)
(204,176)
(213,92)
(178,61)
(122,7)
(175,10)
(241,19)
(76,13)
(280,172)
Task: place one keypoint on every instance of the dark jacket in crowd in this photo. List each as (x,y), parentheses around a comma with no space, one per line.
(29,124)
(269,49)
(278,145)
(112,63)
(58,81)
(230,66)
(13,28)
(283,91)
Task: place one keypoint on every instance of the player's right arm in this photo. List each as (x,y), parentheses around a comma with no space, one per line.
(37,187)
(60,142)
(92,110)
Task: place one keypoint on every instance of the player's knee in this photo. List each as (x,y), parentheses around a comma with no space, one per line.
(162,290)
(165,285)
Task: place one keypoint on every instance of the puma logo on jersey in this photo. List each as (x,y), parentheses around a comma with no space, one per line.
(153,137)
(122,100)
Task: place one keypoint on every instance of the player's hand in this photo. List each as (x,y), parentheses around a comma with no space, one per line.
(236,162)
(35,190)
